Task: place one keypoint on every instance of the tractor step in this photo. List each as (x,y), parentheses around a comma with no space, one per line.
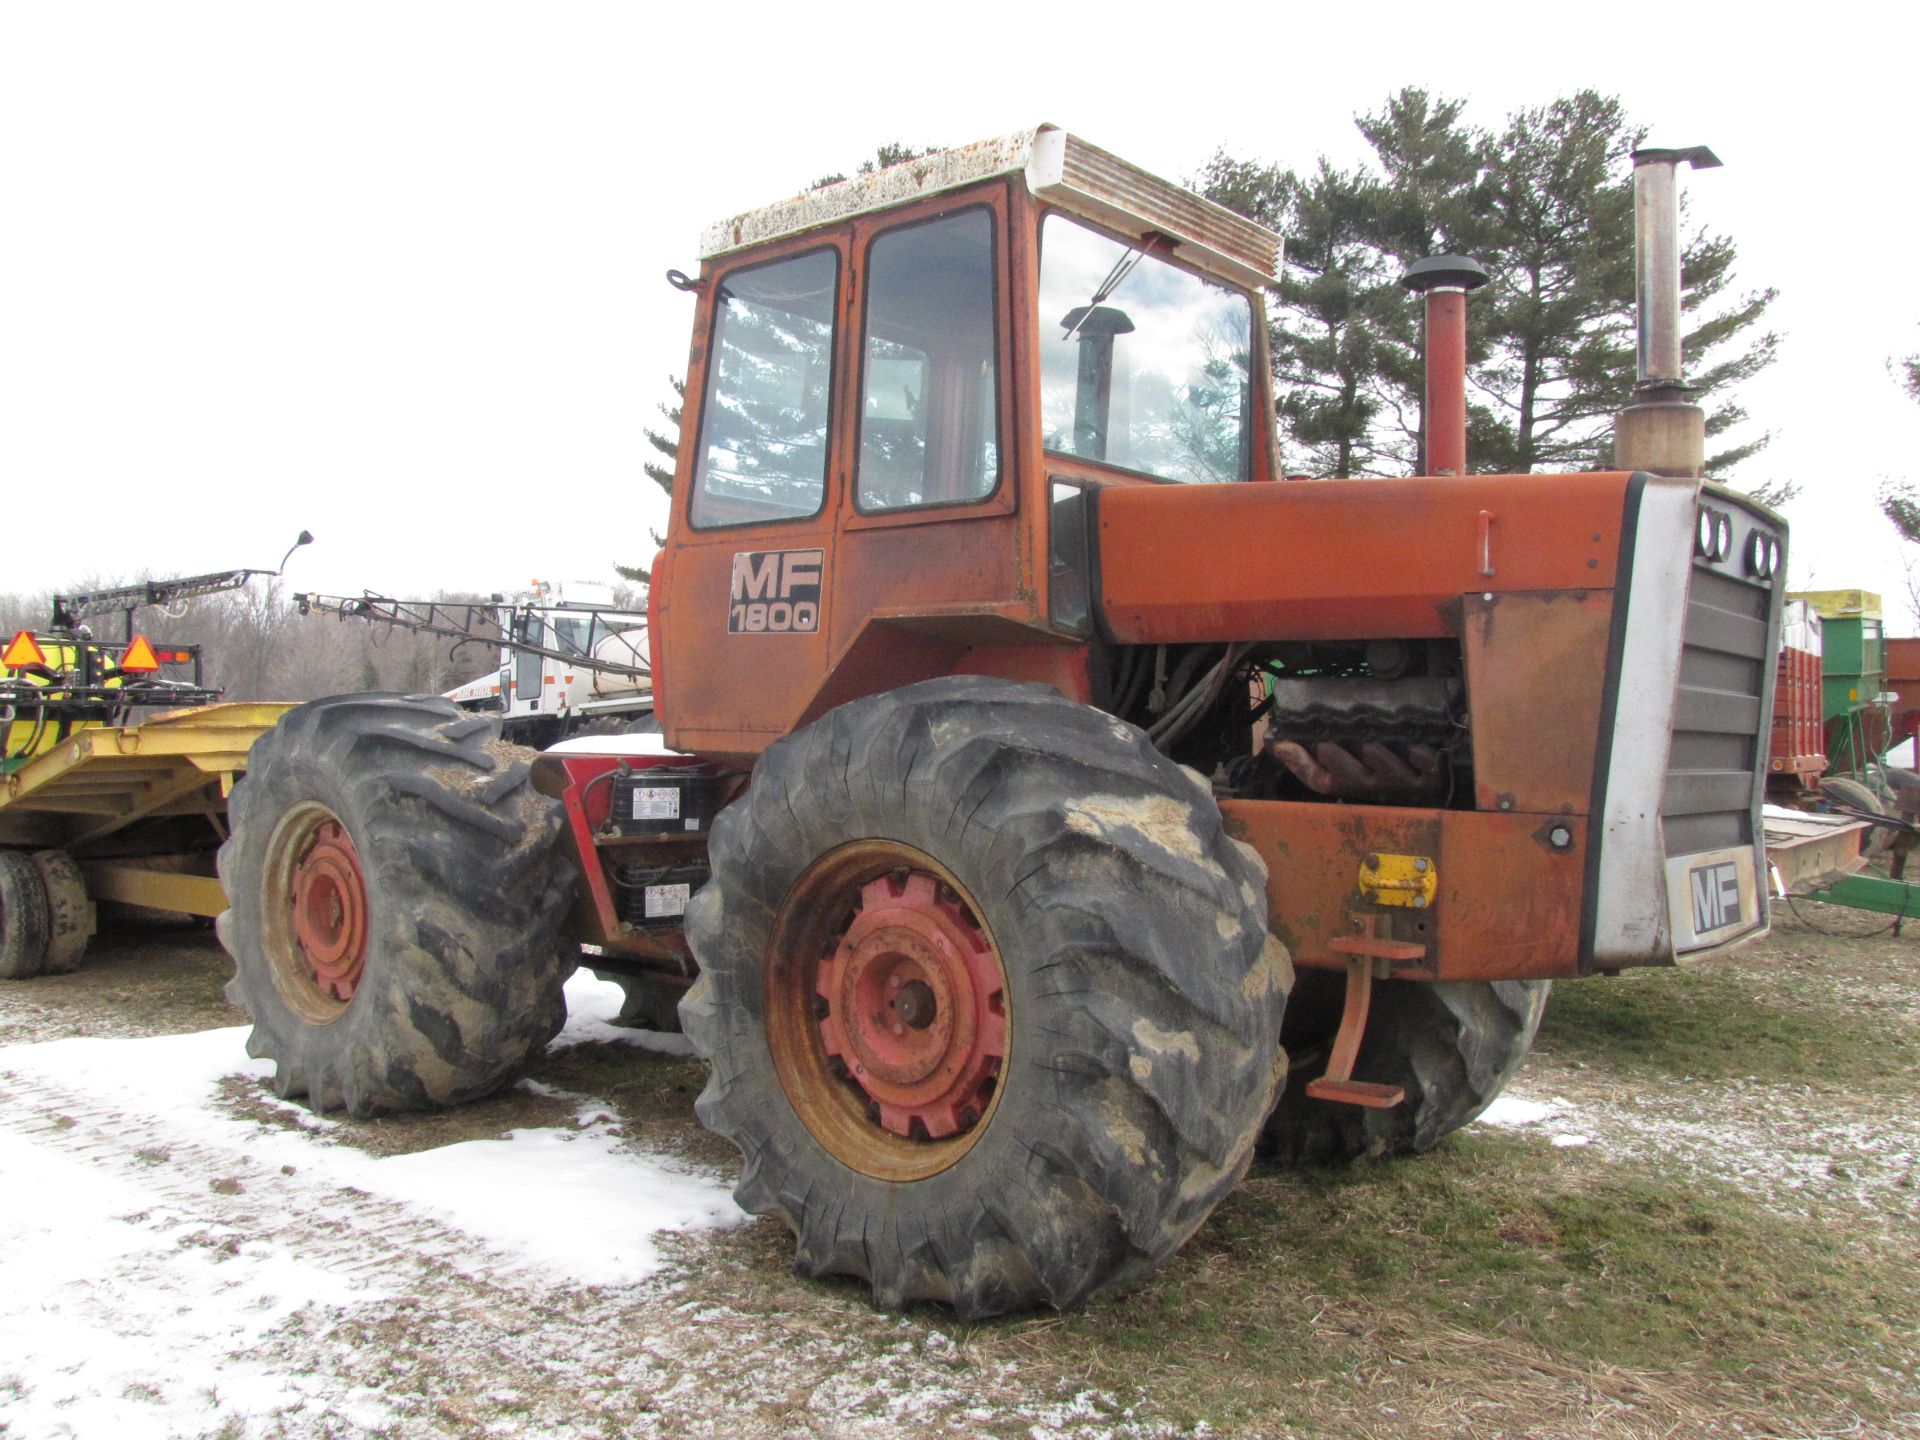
(1366,953)
(1356,1092)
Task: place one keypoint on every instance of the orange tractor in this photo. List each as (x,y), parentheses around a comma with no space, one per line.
(1030,735)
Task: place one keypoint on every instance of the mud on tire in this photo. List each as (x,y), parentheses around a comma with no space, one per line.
(1142,995)
(24,921)
(70,915)
(463,895)
(1453,1046)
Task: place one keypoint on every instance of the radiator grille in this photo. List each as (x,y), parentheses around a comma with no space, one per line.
(1720,720)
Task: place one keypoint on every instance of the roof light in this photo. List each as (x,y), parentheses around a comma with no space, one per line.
(22,651)
(139,659)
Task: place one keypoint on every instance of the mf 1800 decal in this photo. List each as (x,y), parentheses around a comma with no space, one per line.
(775,592)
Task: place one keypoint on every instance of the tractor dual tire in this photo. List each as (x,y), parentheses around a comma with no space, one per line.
(70,915)
(1453,1046)
(1045,857)
(428,975)
(24,920)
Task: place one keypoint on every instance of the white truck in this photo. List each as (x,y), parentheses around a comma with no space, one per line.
(571,663)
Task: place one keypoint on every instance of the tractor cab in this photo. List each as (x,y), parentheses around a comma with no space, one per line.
(901,388)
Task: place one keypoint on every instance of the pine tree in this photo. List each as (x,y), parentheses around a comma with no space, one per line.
(1546,204)
(1323,334)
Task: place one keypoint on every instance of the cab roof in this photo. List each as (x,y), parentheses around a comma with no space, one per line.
(1059,168)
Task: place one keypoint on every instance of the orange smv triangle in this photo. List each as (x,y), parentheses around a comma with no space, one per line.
(22,652)
(139,658)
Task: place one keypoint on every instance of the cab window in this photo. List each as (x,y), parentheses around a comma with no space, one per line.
(929,418)
(763,426)
(1143,365)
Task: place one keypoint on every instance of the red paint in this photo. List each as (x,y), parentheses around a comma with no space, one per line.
(1446,407)
(913,1008)
(330,911)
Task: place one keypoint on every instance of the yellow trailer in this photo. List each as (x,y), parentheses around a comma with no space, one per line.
(129,813)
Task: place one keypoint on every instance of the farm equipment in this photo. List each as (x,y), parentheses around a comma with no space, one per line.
(568,666)
(1032,735)
(94,807)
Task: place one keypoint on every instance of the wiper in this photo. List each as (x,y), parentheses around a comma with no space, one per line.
(1122,268)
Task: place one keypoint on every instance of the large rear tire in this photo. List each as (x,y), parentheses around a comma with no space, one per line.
(1452,1046)
(988,995)
(395,903)
(24,921)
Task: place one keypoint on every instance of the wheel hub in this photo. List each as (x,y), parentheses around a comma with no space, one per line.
(329,897)
(913,1013)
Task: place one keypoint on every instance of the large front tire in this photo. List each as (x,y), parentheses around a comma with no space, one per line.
(988,996)
(1452,1046)
(395,901)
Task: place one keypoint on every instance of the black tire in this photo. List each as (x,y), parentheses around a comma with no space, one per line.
(24,921)
(70,915)
(464,897)
(1853,794)
(1453,1046)
(1142,994)
(649,1004)
(647,724)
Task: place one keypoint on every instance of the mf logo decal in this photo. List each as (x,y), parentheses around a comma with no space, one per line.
(775,592)
(1716,896)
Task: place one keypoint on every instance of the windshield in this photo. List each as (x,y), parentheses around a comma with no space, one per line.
(1142,364)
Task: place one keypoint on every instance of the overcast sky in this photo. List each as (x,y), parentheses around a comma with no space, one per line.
(392,272)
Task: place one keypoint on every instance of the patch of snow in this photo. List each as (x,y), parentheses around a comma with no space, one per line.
(581,1205)
(592,1004)
(1510,1112)
(119,1316)
(1570,1142)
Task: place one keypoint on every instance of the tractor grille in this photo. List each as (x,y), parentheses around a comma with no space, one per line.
(1720,720)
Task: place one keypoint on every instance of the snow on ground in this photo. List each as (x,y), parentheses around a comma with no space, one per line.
(1794,1150)
(140,1243)
(172,1267)
(503,1192)
(591,1005)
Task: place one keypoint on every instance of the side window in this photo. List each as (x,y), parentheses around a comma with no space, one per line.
(929,415)
(763,428)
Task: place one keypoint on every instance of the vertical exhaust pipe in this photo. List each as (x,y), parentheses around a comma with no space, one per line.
(1662,431)
(1445,280)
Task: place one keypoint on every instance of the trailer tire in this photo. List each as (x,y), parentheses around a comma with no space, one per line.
(1453,1046)
(430,975)
(70,915)
(971,836)
(24,921)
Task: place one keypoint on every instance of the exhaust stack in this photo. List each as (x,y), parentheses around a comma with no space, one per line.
(1662,431)
(1445,281)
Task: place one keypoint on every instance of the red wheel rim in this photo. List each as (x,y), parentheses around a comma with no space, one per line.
(915,1007)
(887,1010)
(329,897)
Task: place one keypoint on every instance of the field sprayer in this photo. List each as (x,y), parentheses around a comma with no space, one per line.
(94,806)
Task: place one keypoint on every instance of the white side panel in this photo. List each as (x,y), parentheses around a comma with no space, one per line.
(1633,921)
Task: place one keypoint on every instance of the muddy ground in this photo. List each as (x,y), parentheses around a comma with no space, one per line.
(1701,1218)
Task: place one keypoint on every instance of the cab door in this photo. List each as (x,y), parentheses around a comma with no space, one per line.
(930,562)
(739,594)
